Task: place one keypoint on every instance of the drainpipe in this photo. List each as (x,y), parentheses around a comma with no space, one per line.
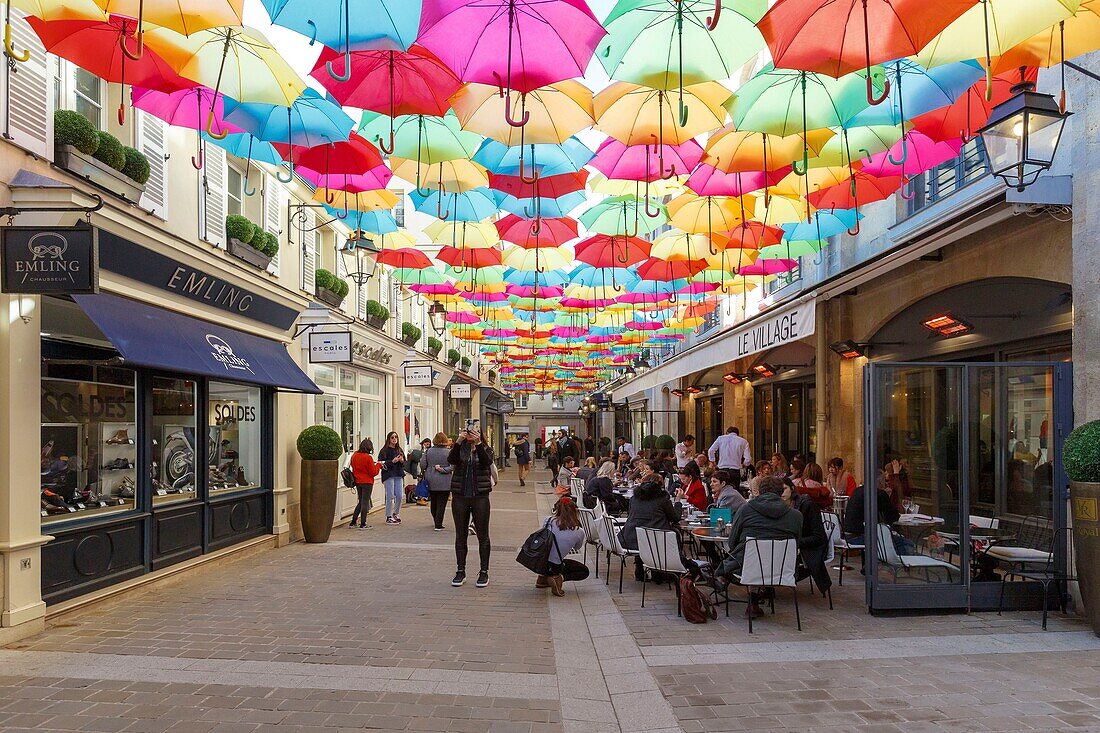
(821,369)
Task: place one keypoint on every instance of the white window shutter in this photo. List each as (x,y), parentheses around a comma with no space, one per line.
(361,302)
(212,195)
(152,133)
(273,209)
(309,251)
(26,107)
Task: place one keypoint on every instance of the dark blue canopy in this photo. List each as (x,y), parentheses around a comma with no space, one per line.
(154,337)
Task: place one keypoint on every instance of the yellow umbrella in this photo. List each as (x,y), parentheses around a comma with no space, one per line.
(395,240)
(781,209)
(598,183)
(452,176)
(363,201)
(731,150)
(1074,36)
(537,260)
(182,17)
(48,10)
(708,214)
(468,234)
(676,245)
(858,142)
(637,115)
(729,260)
(794,185)
(557,111)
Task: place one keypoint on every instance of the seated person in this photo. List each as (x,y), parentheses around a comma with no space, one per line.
(812,484)
(726,494)
(691,487)
(814,542)
(601,487)
(650,507)
(640,470)
(565,475)
(588,470)
(887,514)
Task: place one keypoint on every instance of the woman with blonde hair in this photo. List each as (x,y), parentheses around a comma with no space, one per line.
(434,467)
(565,523)
(779,465)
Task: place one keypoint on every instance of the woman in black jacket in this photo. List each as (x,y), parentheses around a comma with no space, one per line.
(601,487)
(392,458)
(814,542)
(471,483)
(650,507)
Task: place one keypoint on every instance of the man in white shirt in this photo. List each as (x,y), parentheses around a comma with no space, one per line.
(685,451)
(731,451)
(625,446)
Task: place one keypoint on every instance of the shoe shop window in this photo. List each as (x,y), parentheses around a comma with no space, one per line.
(234,449)
(88,439)
(174,457)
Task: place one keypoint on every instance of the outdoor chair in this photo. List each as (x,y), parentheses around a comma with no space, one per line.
(591,537)
(660,552)
(1030,548)
(888,556)
(1047,573)
(609,538)
(976,520)
(841,543)
(576,488)
(770,564)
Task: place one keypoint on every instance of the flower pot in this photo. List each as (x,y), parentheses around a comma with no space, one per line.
(328,297)
(318,499)
(1085,505)
(248,253)
(98,172)
(465,368)
(409,340)
(378,322)
(452,362)
(433,351)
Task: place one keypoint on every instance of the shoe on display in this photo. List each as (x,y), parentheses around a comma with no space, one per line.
(482,579)
(126,493)
(121,437)
(241,481)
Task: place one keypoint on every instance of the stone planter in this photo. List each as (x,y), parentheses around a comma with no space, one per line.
(378,322)
(1085,505)
(433,352)
(328,297)
(248,253)
(409,340)
(98,173)
(452,362)
(464,368)
(318,499)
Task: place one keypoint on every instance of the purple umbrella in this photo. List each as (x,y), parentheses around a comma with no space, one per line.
(768,267)
(924,154)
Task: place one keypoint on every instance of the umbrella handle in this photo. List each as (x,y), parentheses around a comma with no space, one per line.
(508,113)
(651,214)
(330,197)
(249,191)
(387,149)
(210,127)
(536,227)
(866,154)
(904,152)
(636,223)
(671,173)
(854,231)
(965,136)
(121,113)
(9,49)
(197,164)
(871,98)
(347,68)
(133,55)
(279,176)
(313,35)
(907,183)
(805,164)
(683,114)
(439,207)
(712,20)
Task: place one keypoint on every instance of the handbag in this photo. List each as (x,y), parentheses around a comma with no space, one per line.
(422,491)
(348,477)
(535,552)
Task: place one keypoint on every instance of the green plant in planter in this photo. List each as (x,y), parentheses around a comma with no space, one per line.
(377,310)
(1081,453)
(410,331)
(320,443)
(465,362)
(648,442)
(136,167)
(340,287)
(324,279)
(71,128)
(665,442)
(239,228)
(434,344)
(270,243)
(110,151)
(453,356)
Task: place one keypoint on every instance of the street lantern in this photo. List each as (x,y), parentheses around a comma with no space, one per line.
(1022,135)
(364,250)
(437,315)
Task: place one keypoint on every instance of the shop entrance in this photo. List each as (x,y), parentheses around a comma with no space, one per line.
(708,421)
(785,419)
(969,454)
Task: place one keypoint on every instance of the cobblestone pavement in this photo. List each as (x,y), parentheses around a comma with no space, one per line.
(365,632)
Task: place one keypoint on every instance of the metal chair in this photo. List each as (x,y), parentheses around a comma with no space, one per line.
(770,564)
(842,544)
(609,538)
(660,552)
(1031,546)
(591,536)
(1048,574)
(576,488)
(888,556)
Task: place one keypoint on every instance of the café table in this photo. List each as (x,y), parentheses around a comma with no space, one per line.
(713,542)
(918,526)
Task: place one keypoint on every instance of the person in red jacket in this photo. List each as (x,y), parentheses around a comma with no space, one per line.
(691,487)
(366,470)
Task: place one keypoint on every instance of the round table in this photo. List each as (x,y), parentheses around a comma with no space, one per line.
(981,539)
(714,542)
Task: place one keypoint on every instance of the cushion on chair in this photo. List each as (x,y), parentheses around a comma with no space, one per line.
(1018,554)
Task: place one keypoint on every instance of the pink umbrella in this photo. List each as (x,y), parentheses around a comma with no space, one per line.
(706,180)
(768,267)
(517,45)
(500,332)
(534,291)
(645,162)
(586,302)
(645,325)
(462,317)
(695,288)
(374,179)
(924,153)
(568,331)
(183,108)
(434,289)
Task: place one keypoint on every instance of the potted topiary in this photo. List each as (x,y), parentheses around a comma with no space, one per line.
(377,314)
(330,289)
(665,442)
(269,246)
(648,442)
(453,356)
(410,334)
(98,156)
(434,346)
(1081,459)
(464,364)
(320,448)
(246,240)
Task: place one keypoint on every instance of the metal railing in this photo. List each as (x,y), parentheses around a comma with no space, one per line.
(937,183)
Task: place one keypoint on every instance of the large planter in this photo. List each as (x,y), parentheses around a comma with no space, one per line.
(98,173)
(378,322)
(434,352)
(409,340)
(1085,505)
(248,253)
(328,297)
(464,368)
(452,362)
(318,498)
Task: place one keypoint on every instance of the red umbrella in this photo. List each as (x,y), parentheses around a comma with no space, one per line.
(667,270)
(971,110)
(469,256)
(837,37)
(863,188)
(354,156)
(403,258)
(552,232)
(749,235)
(603,250)
(550,187)
(96,46)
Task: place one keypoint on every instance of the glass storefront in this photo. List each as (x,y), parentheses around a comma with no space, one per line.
(234,443)
(174,458)
(420,416)
(352,403)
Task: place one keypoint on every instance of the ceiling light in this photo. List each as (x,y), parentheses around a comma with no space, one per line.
(694,390)
(764,369)
(733,378)
(947,325)
(676,392)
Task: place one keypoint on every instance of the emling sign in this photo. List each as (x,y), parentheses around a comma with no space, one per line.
(62,260)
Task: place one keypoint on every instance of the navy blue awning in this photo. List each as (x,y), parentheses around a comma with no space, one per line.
(154,337)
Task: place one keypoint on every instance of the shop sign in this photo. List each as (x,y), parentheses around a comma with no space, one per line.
(506,406)
(62,260)
(131,260)
(330,347)
(376,354)
(418,376)
(782,327)
(461,392)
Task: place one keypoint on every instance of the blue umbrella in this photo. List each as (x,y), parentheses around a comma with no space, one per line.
(531,278)
(375,222)
(349,25)
(550,159)
(473,205)
(529,208)
(594,277)
(822,224)
(244,145)
(311,121)
(915,90)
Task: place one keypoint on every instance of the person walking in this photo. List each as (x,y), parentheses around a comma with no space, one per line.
(471,483)
(552,458)
(522,450)
(435,468)
(392,458)
(365,469)
(565,524)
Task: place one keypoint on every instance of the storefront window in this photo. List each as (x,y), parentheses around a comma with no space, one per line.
(347,379)
(370,384)
(324,410)
(234,439)
(89,451)
(173,460)
(324,376)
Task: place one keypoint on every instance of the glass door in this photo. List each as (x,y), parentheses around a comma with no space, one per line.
(347,424)
(791,422)
(765,432)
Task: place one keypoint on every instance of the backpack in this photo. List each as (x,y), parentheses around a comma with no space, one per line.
(695,604)
(535,552)
(348,477)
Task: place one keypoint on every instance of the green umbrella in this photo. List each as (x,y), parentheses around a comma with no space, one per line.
(667,44)
(413,276)
(422,138)
(790,250)
(623,215)
(854,143)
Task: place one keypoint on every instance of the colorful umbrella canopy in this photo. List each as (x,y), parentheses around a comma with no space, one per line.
(550,232)
(1074,36)
(350,24)
(602,250)
(732,150)
(185,18)
(645,162)
(637,115)
(310,121)
(422,138)
(549,159)
(624,215)
(554,113)
(474,205)
(463,233)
